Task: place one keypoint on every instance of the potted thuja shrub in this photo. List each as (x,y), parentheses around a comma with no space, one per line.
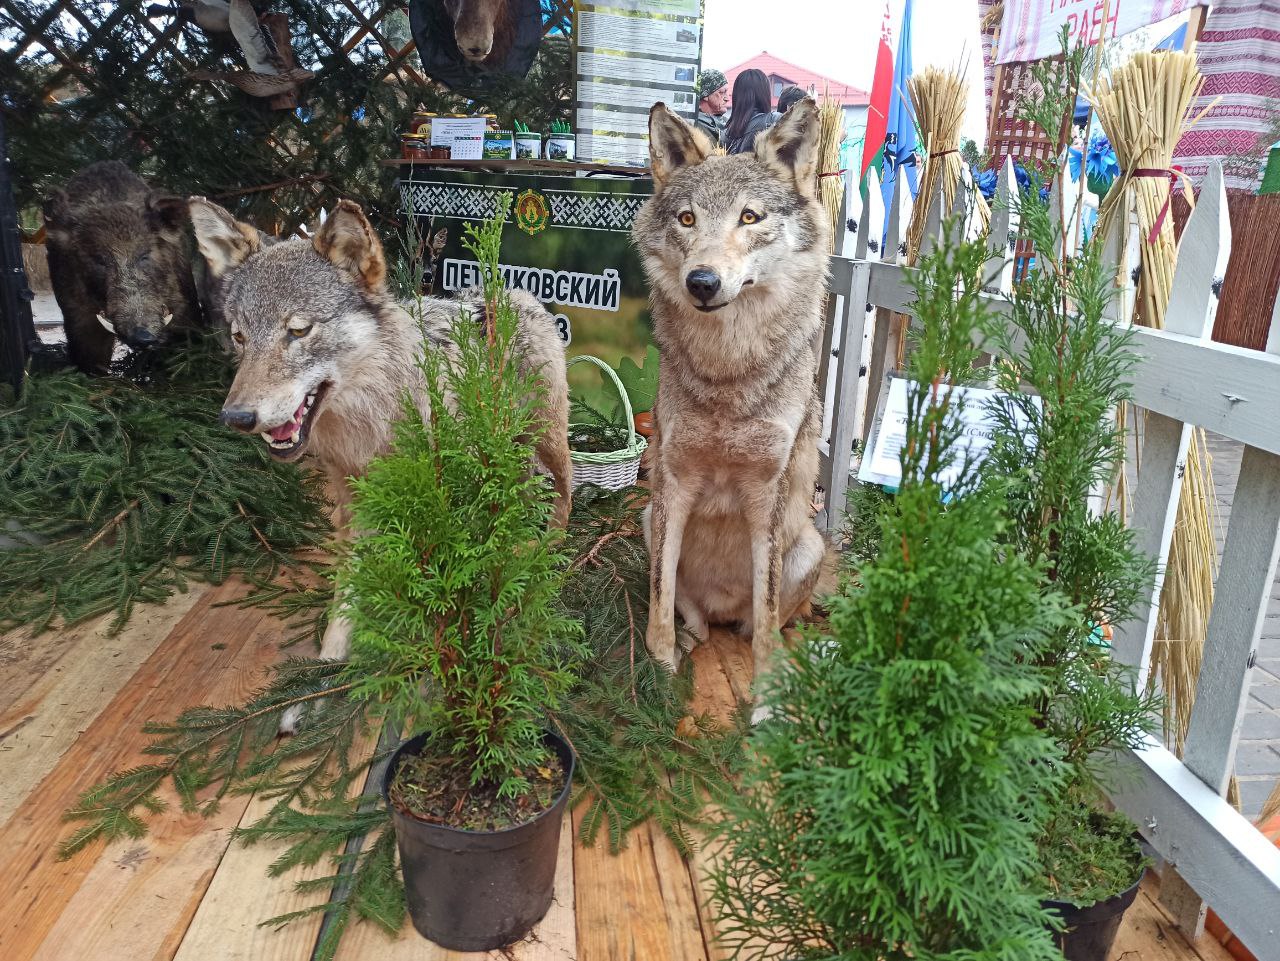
(452,591)
(1050,454)
(892,803)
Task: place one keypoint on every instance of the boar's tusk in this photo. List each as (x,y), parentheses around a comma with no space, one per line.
(166,318)
(107,324)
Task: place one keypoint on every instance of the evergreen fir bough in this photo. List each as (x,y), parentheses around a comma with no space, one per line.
(119,490)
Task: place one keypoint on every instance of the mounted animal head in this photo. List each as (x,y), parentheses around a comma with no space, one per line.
(481,28)
(732,230)
(131,258)
(301,314)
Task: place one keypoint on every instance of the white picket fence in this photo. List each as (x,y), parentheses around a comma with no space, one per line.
(1212,855)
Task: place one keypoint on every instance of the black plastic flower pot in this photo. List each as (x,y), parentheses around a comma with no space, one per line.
(478,890)
(1089,931)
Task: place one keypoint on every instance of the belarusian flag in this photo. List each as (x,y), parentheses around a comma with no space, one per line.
(878,110)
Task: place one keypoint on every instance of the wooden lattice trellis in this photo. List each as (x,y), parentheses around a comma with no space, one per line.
(87,79)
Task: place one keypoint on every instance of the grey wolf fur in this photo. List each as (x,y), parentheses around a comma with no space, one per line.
(735,249)
(121,264)
(325,353)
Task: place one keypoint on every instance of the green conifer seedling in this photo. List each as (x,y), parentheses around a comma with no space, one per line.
(453,585)
(1058,345)
(892,807)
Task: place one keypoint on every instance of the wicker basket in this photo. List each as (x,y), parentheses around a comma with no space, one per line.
(614,469)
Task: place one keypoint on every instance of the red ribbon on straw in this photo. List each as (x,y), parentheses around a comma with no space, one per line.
(832,173)
(1172,175)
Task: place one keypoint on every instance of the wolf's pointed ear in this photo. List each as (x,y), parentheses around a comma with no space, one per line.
(346,239)
(673,144)
(791,146)
(224,242)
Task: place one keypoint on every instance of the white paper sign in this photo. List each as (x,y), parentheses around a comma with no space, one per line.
(1030,28)
(464,136)
(881,464)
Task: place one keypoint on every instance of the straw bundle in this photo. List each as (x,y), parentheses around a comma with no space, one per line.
(1183,620)
(1143,110)
(830,181)
(938,97)
(1271,806)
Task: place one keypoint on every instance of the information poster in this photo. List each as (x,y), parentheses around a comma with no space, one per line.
(881,465)
(630,54)
(567,241)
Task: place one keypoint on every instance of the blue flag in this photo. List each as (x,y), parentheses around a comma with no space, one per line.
(900,133)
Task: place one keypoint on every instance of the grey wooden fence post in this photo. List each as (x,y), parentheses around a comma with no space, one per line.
(895,252)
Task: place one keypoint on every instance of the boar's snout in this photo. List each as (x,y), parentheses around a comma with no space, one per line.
(141,337)
(143,326)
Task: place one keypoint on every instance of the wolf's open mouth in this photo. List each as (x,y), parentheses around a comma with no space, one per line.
(288,439)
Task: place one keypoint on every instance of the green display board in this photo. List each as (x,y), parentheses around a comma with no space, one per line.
(567,241)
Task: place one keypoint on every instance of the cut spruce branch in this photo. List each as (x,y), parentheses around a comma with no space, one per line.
(119,490)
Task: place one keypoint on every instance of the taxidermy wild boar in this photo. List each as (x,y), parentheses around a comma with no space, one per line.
(123,263)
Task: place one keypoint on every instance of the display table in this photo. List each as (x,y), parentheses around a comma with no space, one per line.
(567,241)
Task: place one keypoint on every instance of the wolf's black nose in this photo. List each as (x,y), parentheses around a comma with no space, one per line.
(239,417)
(703,283)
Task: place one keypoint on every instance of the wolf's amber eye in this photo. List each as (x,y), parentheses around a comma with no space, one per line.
(238,338)
(687,218)
(749,216)
(299,332)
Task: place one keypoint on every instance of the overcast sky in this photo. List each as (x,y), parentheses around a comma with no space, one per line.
(838,38)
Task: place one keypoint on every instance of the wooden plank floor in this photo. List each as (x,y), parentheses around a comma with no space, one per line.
(72,705)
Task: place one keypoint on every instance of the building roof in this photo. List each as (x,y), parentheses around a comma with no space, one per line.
(815,84)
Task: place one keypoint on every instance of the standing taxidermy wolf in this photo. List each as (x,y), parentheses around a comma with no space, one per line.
(735,249)
(325,354)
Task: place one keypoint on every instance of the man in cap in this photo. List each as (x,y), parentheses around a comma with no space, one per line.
(713,104)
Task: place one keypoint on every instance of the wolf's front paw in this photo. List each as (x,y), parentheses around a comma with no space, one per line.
(662,646)
(290,720)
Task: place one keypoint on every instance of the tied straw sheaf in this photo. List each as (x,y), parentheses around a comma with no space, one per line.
(831,179)
(938,97)
(1143,109)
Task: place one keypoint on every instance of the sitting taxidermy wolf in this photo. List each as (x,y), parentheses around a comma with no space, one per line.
(325,354)
(735,249)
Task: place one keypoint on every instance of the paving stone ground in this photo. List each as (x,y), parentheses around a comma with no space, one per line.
(1258,754)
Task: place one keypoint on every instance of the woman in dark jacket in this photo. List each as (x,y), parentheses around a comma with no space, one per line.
(751,105)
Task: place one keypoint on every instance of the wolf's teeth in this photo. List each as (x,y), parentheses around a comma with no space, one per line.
(166,318)
(107,324)
(266,435)
(295,436)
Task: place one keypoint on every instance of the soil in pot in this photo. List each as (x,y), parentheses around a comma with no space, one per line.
(478,888)
(1098,874)
(437,791)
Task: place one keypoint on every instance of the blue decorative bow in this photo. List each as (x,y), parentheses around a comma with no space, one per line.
(985,181)
(1101,161)
(1074,157)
